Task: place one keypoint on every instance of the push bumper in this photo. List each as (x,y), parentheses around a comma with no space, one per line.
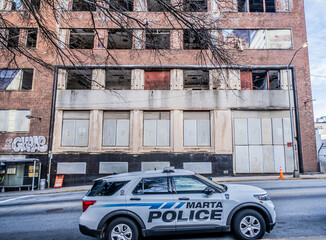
(89,232)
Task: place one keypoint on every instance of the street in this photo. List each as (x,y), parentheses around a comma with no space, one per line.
(300,207)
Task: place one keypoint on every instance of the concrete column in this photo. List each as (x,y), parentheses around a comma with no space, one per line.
(136,133)
(176,39)
(223,131)
(139,39)
(98,77)
(96,120)
(137,79)
(100,39)
(140,5)
(284,79)
(62,37)
(234,79)
(177,130)
(62,79)
(176,79)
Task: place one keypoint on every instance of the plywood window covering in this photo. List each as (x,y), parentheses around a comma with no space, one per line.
(157,80)
(16,79)
(196,129)
(75,129)
(116,125)
(157,129)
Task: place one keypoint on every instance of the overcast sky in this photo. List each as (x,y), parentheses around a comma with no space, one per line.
(316,27)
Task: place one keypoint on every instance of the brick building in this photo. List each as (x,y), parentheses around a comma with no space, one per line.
(145,112)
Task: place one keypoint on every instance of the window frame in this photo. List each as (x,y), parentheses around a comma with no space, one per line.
(247,3)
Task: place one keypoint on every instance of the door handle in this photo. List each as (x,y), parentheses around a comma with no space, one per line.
(184,198)
(135,199)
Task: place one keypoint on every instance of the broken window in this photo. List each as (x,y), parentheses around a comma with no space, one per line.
(274,80)
(118,79)
(31,38)
(196,79)
(256,6)
(16,79)
(121,5)
(195,39)
(261,80)
(157,80)
(158,5)
(157,129)
(81,38)
(13,37)
(83,5)
(258,39)
(16,5)
(158,39)
(75,128)
(195,5)
(116,128)
(196,129)
(79,79)
(119,39)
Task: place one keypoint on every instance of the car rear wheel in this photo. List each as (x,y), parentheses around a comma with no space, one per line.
(122,229)
(249,224)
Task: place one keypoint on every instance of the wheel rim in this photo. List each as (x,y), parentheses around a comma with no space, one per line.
(121,232)
(250,226)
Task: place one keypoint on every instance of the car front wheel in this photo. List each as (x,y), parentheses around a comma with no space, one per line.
(122,229)
(249,224)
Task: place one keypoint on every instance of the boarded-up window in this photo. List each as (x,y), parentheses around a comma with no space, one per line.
(257,39)
(158,39)
(158,5)
(14,120)
(157,129)
(279,39)
(4,115)
(196,129)
(196,79)
(236,38)
(195,39)
(195,5)
(157,80)
(81,38)
(15,79)
(118,79)
(119,39)
(79,79)
(283,5)
(246,80)
(116,128)
(75,128)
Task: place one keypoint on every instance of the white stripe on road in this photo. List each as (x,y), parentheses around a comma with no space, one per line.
(12,199)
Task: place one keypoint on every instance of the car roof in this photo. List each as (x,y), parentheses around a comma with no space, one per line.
(146,174)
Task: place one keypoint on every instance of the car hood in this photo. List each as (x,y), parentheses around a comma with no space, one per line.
(245,189)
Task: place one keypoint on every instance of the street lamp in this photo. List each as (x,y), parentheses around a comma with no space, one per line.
(295,170)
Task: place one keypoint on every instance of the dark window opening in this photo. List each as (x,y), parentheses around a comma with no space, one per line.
(157,80)
(195,5)
(36,4)
(83,5)
(13,37)
(158,5)
(31,38)
(196,79)
(119,39)
(259,80)
(121,5)
(157,185)
(81,38)
(79,79)
(16,5)
(195,39)
(16,79)
(158,39)
(274,80)
(256,6)
(118,79)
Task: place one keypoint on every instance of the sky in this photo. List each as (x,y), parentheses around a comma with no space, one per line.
(316,29)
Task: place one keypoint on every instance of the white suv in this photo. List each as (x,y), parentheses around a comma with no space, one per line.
(127,206)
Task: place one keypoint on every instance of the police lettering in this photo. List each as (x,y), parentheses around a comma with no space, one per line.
(204,205)
(179,216)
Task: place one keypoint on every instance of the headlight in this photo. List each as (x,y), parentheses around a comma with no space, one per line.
(262,197)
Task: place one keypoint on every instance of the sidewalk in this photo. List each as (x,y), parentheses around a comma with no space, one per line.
(240,178)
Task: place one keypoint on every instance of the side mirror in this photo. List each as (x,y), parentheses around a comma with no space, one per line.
(208,191)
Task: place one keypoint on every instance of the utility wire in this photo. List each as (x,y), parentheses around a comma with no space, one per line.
(318,76)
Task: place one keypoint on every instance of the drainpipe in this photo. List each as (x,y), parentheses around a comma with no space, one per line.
(54,97)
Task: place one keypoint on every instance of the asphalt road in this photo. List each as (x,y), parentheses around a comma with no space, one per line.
(300,207)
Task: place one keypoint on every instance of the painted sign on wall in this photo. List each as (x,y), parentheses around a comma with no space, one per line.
(28,144)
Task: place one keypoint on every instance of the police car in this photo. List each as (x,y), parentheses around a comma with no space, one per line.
(128,206)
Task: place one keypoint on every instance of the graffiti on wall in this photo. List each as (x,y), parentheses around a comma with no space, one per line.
(26,144)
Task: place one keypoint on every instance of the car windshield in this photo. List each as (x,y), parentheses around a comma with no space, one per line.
(218,186)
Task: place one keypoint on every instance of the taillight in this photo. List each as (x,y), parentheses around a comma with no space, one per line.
(86,204)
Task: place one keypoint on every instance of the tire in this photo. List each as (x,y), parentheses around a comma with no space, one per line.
(122,229)
(249,224)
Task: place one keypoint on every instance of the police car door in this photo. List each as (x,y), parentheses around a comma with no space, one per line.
(152,200)
(195,209)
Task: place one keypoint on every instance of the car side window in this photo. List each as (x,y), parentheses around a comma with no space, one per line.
(103,188)
(187,184)
(157,185)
